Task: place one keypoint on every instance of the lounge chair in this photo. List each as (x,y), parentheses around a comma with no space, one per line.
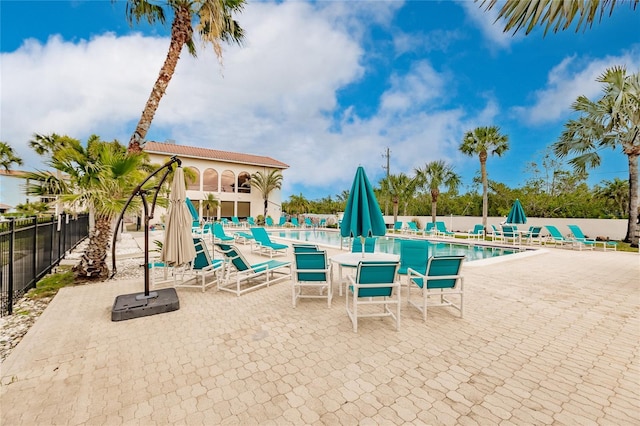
(533,235)
(323,223)
(236,222)
(441,279)
(283,221)
(308,223)
(295,223)
(398,226)
(202,266)
(312,272)
(477,232)
(369,245)
(584,241)
(412,228)
(375,283)
(264,245)
(219,235)
(414,255)
(268,221)
(441,229)
(556,237)
(251,221)
(241,276)
(429,229)
(243,238)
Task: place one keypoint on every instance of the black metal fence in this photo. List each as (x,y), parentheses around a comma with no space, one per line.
(30,248)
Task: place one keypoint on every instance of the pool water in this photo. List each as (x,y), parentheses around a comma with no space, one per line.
(390,244)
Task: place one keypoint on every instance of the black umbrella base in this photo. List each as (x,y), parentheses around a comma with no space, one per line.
(136,305)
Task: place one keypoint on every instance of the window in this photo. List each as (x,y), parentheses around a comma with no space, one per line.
(244,209)
(228,181)
(193,182)
(210,181)
(244,182)
(226,209)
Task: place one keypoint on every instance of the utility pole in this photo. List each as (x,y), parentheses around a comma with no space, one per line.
(387,155)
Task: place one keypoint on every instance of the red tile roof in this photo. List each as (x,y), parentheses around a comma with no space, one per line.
(212,154)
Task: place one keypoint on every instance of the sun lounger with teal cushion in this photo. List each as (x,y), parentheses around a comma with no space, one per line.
(375,283)
(430,229)
(219,235)
(268,221)
(584,241)
(264,245)
(243,237)
(323,223)
(477,232)
(251,221)
(295,223)
(497,234)
(533,235)
(510,234)
(556,237)
(235,221)
(412,228)
(202,266)
(441,280)
(283,221)
(308,223)
(241,276)
(398,226)
(441,229)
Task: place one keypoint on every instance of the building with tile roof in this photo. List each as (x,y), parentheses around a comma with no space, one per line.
(224,174)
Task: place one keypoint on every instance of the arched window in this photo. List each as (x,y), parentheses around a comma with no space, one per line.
(193,182)
(244,182)
(210,181)
(228,181)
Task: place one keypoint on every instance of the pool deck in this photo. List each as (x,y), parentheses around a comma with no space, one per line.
(551,338)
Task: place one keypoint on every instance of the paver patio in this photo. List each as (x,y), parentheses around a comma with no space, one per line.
(552,338)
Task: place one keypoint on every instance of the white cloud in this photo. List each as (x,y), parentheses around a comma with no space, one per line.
(485,20)
(569,79)
(275,96)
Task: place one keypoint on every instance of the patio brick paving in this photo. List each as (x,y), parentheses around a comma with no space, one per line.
(552,338)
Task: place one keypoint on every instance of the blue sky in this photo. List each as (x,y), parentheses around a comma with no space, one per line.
(322,86)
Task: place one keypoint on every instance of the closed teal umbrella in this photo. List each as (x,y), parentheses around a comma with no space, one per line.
(362,216)
(516,214)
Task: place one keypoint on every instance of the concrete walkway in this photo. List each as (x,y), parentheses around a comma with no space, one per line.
(547,339)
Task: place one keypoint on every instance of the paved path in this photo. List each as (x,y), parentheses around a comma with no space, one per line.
(546,339)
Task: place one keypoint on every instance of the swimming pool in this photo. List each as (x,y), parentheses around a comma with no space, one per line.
(391,244)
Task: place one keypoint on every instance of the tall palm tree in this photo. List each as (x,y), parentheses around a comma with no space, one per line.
(210,203)
(266,183)
(212,19)
(558,14)
(610,122)
(484,141)
(8,157)
(101,177)
(434,175)
(401,189)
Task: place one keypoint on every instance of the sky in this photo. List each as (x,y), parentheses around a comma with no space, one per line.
(322,86)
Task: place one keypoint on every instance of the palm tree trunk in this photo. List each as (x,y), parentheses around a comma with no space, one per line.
(181,31)
(93,264)
(485,190)
(632,224)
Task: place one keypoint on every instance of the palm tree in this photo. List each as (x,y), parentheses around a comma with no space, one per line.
(210,203)
(100,178)
(8,157)
(615,192)
(557,13)
(484,141)
(266,183)
(401,188)
(434,175)
(213,21)
(297,204)
(610,122)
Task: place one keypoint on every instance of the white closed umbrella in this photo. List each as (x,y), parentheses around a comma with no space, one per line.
(178,247)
